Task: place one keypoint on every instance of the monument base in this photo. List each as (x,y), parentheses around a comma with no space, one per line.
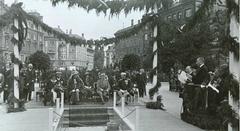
(204,121)
(16,107)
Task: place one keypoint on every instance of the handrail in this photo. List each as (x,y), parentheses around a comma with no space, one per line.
(53,121)
(122,113)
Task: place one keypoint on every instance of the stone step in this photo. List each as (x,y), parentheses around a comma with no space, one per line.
(89,117)
(85,123)
(87,110)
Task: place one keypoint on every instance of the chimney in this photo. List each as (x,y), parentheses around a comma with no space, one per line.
(70,31)
(139,21)
(58,26)
(82,35)
(67,31)
(132,22)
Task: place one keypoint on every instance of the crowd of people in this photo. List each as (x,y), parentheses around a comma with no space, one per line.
(26,82)
(198,87)
(77,85)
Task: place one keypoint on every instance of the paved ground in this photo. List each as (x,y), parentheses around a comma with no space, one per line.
(36,118)
(30,120)
(158,120)
(87,129)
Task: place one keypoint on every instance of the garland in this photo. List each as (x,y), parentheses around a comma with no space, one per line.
(230,44)
(8,17)
(115,7)
(232,85)
(227,114)
(15,60)
(233,8)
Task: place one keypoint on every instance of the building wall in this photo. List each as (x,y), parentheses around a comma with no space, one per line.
(33,42)
(3,7)
(181,11)
(138,44)
(109,56)
(62,54)
(234,67)
(90,58)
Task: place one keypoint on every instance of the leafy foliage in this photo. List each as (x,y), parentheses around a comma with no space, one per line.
(232,85)
(227,114)
(115,7)
(131,62)
(40,61)
(7,18)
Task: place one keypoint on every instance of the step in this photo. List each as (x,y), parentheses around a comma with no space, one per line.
(67,115)
(86,110)
(85,123)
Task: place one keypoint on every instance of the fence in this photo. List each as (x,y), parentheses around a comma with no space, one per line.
(55,115)
(121,112)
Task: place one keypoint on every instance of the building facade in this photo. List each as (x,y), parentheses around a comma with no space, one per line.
(33,42)
(138,43)
(61,53)
(180,10)
(109,56)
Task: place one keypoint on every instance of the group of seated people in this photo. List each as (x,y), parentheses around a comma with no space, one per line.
(77,88)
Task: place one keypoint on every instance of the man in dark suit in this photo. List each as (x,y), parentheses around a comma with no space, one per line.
(124,85)
(141,83)
(29,83)
(8,83)
(201,78)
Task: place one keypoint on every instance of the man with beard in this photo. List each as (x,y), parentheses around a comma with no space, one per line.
(29,83)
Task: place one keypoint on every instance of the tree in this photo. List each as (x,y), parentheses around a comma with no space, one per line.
(131,62)
(40,61)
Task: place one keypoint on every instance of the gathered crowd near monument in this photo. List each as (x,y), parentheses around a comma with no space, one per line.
(176,69)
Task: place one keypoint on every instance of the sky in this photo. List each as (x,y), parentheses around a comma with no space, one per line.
(77,19)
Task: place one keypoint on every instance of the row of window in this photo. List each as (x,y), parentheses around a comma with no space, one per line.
(177,16)
(33,36)
(34,27)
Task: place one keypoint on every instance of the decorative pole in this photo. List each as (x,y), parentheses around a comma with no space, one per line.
(155,57)
(16,64)
(19,29)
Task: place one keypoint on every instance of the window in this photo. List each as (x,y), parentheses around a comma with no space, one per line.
(151,35)
(175,16)
(28,35)
(32,26)
(22,58)
(40,38)
(198,5)
(146,27)
(146,37)
(31,36)
(179,15)
(188,12)
(34,37)
(169,17)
